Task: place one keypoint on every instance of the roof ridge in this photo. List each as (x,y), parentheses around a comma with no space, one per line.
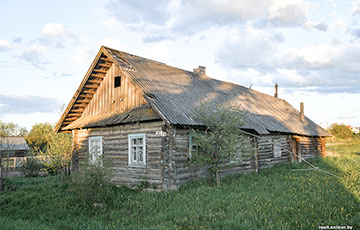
(122,52)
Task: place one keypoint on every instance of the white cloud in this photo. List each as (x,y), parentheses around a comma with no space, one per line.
(34,55)
(290,13)
(55,35)
(327,67)
(318,25)
(356,8)
(5,45)
(249,49)
(168,20)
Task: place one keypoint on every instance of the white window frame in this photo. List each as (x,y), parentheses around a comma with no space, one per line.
(192,144)
(277,148)
(93,157)
(137,163)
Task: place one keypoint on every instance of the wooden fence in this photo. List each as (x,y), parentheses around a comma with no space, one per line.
(13,163)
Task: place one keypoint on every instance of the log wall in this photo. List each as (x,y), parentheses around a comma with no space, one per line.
(262,157)
(115,148)
(167,154)
(310,146)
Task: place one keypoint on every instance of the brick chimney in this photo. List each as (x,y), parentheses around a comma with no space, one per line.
(200,70)
(302,117)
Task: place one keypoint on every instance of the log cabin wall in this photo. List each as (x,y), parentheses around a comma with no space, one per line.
(310,146)
(184,172)
(109,99)
(266,156)
(115,148)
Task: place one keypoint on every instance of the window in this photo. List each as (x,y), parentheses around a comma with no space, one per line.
(193,147)
(117,81)
(277,148)
(95,150)
(137,151)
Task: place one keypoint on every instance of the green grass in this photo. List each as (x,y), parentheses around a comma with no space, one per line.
(276,198)
(347,146)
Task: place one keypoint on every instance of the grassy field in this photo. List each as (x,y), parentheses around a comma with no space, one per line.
(276,198)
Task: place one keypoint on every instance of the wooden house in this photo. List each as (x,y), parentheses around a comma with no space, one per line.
(13,147)
(138,112)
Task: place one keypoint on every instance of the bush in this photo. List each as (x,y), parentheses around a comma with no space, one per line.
(30,167)
(341,131)
(92,183)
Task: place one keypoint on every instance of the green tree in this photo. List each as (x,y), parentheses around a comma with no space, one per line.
(11,129)
(221,144)
(341,131)
(59,153)
(40,136)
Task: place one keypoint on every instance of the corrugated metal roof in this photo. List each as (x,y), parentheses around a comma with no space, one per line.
(13,143)
(142,113)
(176,93)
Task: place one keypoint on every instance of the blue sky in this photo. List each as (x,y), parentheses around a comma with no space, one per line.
(310,48)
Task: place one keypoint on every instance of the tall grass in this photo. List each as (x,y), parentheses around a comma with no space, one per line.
(275,198)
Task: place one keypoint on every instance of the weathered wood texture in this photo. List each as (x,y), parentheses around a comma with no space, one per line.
(310,146)
(108,99)
(115,148)
(263,155)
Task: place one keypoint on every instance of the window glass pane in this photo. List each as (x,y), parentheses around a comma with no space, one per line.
(133,153)
(140,141)
(133,141)
(140,156)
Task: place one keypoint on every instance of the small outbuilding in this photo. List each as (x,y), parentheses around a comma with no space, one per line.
(138,113)
(13,147)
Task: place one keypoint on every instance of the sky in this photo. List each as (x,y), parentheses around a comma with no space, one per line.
(311,49)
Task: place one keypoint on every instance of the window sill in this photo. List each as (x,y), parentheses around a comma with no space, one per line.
(136,166)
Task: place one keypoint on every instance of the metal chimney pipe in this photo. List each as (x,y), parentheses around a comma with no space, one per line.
(276,90)
(302,117)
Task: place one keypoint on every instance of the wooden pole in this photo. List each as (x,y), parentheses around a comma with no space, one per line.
(256,155)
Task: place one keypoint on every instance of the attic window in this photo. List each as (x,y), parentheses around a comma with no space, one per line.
(117,81)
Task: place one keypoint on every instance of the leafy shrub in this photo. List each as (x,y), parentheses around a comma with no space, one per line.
(341,131)
(59,153)
(30,167)
(92,182)
(141,185)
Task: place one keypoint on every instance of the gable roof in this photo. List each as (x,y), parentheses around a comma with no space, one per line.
(13,143)
(175,94)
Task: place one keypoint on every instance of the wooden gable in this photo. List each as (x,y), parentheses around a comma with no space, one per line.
(111,99)
(98,95)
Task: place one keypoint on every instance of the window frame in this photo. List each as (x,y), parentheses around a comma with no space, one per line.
(137,163)
(192,143)
(277,150)
(93,160)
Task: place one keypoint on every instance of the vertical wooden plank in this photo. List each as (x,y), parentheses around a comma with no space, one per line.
(127,95)
(123,92)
